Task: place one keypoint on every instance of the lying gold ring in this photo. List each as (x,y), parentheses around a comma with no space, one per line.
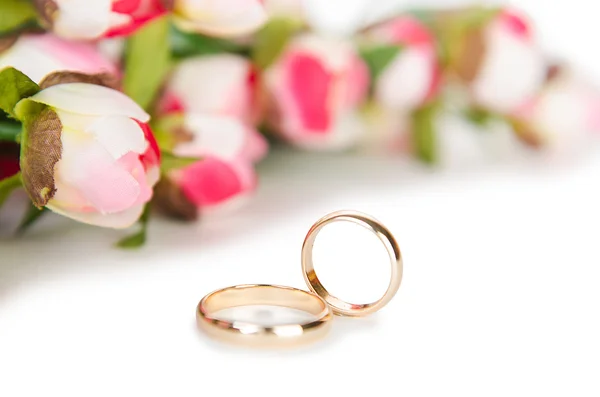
(255,335)
(339,306)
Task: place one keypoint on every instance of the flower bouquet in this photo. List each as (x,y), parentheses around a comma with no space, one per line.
(111,108)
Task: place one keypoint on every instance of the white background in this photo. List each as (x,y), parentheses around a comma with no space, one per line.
(500,297)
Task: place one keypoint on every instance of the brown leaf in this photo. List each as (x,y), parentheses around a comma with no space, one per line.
(471,55)
(42,150)
(527,133)
(171,201)
(47,10)
(65,77)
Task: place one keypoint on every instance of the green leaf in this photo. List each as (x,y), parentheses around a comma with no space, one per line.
(378,58)
(480,117)
(270,41)
(14,86)
(15,13)
(9,130)
(147,62)
(185,45)
(171,162)
(424,137)
(164,130)
(9,185)
(32,215)
(138,239)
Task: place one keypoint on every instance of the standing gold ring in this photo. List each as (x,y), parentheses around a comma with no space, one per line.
(339,306)
(255,335)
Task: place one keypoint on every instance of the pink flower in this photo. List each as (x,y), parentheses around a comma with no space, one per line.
(211,102)
(88,154)
(37,56)
(226,149)
(564,117)
(502,63)
(221,84)
(315,89)
(225,18)
(85,19)
(413,76)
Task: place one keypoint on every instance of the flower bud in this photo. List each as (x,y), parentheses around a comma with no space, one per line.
(222,84)
(224,18)
(87,20)
(88,154)
(314,90)
(226,149)
(501,63)
(38,56)
(412,77)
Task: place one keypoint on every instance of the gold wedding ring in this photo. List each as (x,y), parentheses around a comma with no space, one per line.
(310,276)
(256,335)
(320,304)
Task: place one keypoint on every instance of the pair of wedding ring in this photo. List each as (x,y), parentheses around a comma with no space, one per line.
(319,303)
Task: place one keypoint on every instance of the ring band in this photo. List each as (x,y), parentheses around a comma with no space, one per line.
(339,306)
(255,335)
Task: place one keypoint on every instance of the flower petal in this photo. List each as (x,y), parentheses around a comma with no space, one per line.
(119,135)
(118,220)
(213,84)
(86,166)
(90,99)
(225,18)
(82,19)
(219,136)
(212,181)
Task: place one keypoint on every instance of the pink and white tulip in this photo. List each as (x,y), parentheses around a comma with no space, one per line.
(503,64)
(215,97)
(223,18)
(223,84)
(314,91)
(413,76)
(37,56)
(87,20)
(564,117)
(227,150)
(223,176)
(89,155)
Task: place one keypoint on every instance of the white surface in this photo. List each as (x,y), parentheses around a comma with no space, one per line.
(500,295)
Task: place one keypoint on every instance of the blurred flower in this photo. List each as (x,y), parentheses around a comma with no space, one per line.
(314,90)
(563,117)
(9,159)
(38,56)
(209,109)
(221,84)
(501,63)
(412,77)
(85,19)
(226,149)
(88,154)
(224,18)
